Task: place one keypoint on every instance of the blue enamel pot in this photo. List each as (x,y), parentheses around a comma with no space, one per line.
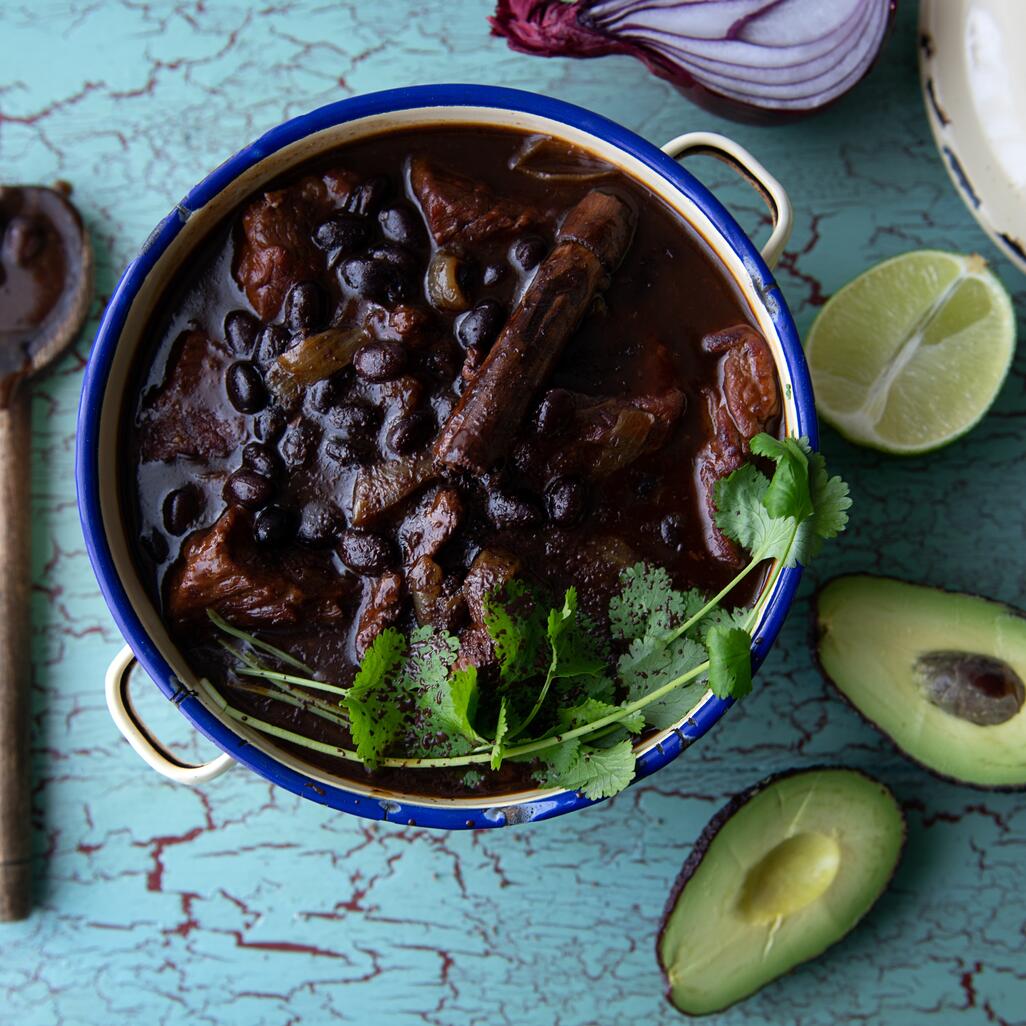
(122,336)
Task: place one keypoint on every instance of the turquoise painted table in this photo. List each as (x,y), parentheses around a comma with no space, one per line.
(237,903)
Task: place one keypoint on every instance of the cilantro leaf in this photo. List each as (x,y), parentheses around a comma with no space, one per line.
(555,760)
(730,662)
(741,514)
(745,501)
(600,772)
(831,503)
(374,716)
(501,727)
(647,602)
(591,710)
(648,664)
(575,656)
(575,652)
(516,624)
(788,492)
(441,702)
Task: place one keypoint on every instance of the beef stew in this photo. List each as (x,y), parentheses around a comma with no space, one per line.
(432,363)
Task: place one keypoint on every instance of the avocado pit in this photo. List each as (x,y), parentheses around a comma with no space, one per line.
(789,877)
(977,688)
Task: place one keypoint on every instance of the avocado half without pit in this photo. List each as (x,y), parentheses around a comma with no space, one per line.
(940,673)
(781,873)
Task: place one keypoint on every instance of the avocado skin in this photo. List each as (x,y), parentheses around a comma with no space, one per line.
(816,633)
(701,847)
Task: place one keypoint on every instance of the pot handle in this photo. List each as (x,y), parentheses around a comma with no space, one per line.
(719,146)
(134,731)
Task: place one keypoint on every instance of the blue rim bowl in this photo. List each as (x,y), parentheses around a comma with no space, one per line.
(383,805)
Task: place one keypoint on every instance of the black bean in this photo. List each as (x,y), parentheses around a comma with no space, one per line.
(368,197)
(671,529)
(344,451)
(240,332)
(319,525)
(155,545)
(402,224)
(480,327)
(271,343)
(356,419)
(528,252)
(493,273)
(181,508)
(263,459)
(324,395)
(364,552)
(468,275)
(372,279)
(506,509)
(305,308)
(245,387)
(273,525)
(341,235)
(645,485)
(297,444)
(402,259)
(409,433)
(555,413)
(270,424)
(247,488)
(380,361)
(565,500)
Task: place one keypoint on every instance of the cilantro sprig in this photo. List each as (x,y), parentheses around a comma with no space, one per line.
(566,701)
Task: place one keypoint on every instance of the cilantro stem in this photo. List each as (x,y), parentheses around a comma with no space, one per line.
(287,678)
(528,748)
(317,708)
(539,701)
(222,624)
(716,599)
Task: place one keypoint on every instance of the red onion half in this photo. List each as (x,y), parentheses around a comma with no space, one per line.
(746,59)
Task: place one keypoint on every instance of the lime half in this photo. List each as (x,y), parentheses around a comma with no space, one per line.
(911,354)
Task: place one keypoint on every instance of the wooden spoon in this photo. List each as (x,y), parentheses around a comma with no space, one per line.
(46,284)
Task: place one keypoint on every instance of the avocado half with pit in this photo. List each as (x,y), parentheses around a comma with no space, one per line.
(940,673)
(780,874)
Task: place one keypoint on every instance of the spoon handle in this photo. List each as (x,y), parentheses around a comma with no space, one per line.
(15,778)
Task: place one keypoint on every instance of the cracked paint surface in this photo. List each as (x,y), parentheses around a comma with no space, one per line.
(239,903)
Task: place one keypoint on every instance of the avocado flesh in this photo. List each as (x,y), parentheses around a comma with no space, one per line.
(783,872)
(873,633)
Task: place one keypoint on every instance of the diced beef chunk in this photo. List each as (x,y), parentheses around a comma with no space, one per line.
(276,249)
(186,416)
(410,325)
(223,569)
(749,378)
(491,570)
(748,401)
(433,603)
(430,525)
(459,209)
(610,434)
(382,607)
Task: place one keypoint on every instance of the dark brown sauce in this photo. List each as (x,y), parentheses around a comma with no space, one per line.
(643,335)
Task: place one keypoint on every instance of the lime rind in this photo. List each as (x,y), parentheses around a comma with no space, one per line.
(910,356)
